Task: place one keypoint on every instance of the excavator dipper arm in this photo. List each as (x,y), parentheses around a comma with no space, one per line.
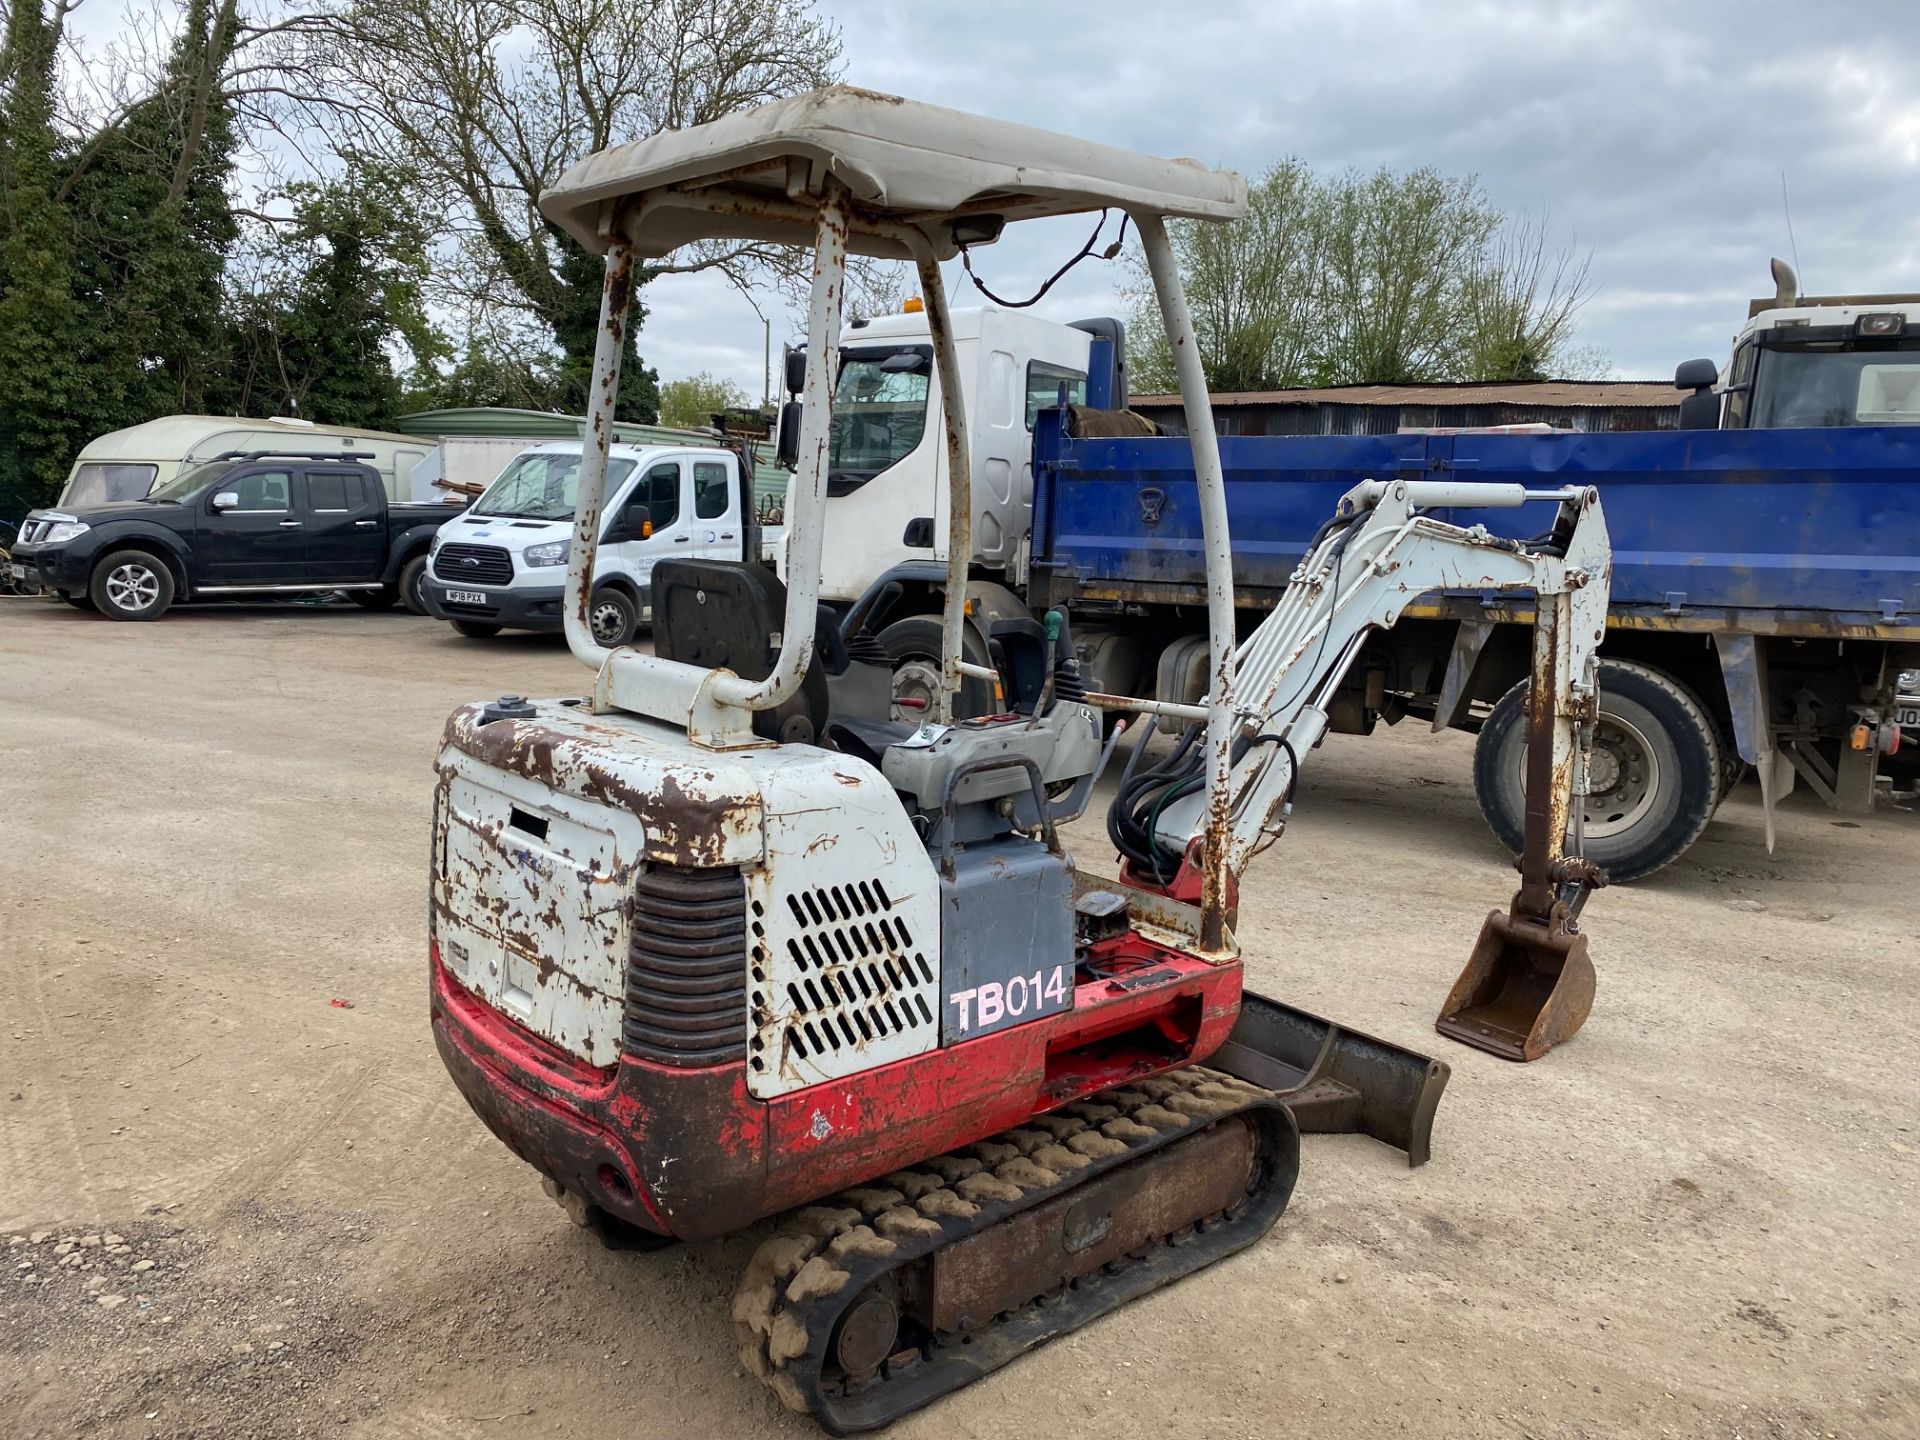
(1383,548)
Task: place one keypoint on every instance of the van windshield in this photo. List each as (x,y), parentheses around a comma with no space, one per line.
(541,486)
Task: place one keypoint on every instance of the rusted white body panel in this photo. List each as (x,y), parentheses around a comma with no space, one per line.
(845,918)
(542,825)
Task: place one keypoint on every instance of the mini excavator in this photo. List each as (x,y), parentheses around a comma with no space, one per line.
(721,941)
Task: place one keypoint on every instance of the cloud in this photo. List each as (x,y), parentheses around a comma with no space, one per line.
(1654,135)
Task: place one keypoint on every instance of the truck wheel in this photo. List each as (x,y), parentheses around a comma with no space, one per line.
(413,585)
(612,618)
(380,599)
(132,585)
(1656,773)
(913,645)
(476,629)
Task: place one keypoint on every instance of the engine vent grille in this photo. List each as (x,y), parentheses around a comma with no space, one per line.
(687,967)
(476,564)
(846,982)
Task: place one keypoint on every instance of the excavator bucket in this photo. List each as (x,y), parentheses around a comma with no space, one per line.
(1335,1081)
(1526,988)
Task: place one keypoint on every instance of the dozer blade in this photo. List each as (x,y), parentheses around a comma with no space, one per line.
(1525,990)
(1335,1081)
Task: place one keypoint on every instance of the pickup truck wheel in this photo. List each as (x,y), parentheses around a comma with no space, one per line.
(131,585)
(476,629)
(1655,772)
(413,585)
(612,617)
(379,599)
(913,645)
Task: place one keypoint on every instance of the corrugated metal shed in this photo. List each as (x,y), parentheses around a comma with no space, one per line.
(503,422)
(1587,405)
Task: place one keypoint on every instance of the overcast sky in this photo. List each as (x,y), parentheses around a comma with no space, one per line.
(1655,134)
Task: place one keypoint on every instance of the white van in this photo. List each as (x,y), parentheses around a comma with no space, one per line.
(127,464)
(502,564)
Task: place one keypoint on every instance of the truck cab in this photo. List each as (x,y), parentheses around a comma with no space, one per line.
(502,565)
(887,457)
(1812,362)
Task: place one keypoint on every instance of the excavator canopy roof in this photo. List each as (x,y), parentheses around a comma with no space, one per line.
(904,163)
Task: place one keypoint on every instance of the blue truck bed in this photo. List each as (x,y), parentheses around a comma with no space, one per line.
(1784,532)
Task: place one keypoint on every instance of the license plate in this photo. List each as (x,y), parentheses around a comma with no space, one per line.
(1907,716)
(19,572)
(466,597)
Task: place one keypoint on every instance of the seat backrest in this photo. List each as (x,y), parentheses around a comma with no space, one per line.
(723,614)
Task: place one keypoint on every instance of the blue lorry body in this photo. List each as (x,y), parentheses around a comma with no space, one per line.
(1765,532)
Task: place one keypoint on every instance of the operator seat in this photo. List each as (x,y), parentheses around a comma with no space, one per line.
(725,614)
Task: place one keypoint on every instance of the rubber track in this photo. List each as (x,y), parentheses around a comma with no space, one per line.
(818,1249)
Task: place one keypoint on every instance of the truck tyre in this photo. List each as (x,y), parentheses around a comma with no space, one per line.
(612,617)
(913,645)
(476,629)
(131,585)
(1656,770)
(380,599)
(412,585)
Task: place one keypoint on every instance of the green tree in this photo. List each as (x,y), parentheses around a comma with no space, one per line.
(1253,288)
(113,239)
(338,290)
(44,392)
(1359,278)
(696,399)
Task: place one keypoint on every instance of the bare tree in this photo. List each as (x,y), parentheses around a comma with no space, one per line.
(1519,303)
(1254,287)
(488,101)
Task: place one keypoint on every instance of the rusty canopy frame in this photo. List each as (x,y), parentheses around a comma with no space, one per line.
(832,169)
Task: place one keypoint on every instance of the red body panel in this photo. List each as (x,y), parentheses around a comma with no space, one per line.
(689,1152)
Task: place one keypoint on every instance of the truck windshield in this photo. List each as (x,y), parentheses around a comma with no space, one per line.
(1828,384)
(879,410)
(542,487)
(188,481)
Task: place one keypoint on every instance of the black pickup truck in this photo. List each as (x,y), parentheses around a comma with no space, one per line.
(241,524)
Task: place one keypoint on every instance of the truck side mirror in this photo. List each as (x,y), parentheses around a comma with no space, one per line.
(1696,375)
(227,500)
(786,449)
(796,363)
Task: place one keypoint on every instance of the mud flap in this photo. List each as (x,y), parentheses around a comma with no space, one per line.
(1336,1081)
(1526,988)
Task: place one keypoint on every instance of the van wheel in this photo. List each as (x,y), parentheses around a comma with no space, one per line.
(132,585)
(913,645)
(612,618)
(1656,770)
(413,585)
(476,629)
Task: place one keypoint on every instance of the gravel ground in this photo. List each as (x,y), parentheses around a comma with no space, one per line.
(217,1090)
